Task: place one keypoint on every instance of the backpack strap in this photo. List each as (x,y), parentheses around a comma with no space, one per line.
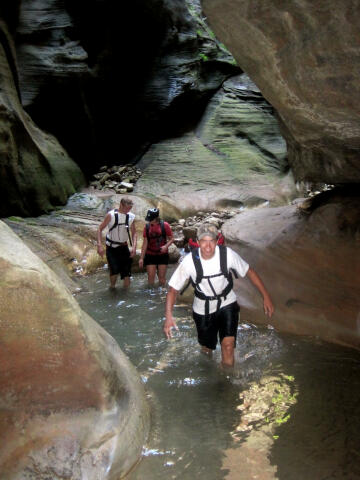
(127,228)
(116,220)
(198,267)
(163,231)
(223,260)
(116,224)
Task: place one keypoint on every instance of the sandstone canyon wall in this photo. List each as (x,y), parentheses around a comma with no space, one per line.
(304,56)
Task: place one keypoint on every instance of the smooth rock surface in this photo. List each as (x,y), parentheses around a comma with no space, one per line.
(305,58)
(72,404)
(310,264)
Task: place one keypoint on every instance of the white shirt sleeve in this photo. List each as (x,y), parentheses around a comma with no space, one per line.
(237,263)
(181,274)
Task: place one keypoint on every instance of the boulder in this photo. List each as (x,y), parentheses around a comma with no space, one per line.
(72,404)
(310,264)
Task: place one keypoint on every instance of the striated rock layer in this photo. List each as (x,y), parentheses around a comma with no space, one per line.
(72,404)
(234,157)
(305,58)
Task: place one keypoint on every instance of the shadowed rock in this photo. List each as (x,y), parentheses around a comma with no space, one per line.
(35,171)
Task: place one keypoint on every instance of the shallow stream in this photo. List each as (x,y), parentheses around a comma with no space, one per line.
(290,410)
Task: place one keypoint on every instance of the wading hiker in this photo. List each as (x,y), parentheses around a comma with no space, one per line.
(215,309)
(154,252)
(121,234)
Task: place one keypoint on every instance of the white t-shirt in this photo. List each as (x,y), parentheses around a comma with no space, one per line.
(186,269)
(119,233)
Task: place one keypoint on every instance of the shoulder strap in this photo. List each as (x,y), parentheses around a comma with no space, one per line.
(127,228)
(116,221)
(223,260)
(198,267)
(163,231)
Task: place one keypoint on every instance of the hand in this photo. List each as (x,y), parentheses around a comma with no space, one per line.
(141,263)
(163,249)
(100,250)
(133,253)
(268,306)
(168,325)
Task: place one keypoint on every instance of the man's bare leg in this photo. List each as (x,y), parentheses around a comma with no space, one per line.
(113,279)
(126,282)
(206,351)
(227,351)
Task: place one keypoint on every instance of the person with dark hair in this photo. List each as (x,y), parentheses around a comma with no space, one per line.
(154,252)
(121,233)
(215,310)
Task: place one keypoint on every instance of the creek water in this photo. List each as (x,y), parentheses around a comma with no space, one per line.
(290,409)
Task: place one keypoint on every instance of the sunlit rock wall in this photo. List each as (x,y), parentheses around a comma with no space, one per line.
(304,56)
(72,405)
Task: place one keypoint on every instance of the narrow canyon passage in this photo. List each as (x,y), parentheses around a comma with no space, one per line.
(289,410)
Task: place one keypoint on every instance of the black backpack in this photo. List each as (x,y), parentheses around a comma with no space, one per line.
(163,231)
(200,276)
(116,224)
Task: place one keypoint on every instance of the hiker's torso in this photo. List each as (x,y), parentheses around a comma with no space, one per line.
(155,237)
(119,234)
(218,283)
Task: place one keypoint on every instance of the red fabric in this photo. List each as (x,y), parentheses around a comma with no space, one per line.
(155,240)
(221,239)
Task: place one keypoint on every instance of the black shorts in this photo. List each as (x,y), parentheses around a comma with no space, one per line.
(119,260)
(156,259)
(223,322)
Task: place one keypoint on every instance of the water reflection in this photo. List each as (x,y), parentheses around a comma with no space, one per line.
(289,410)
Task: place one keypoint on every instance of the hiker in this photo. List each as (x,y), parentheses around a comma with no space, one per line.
(121,234)
(154,252)
(215,309)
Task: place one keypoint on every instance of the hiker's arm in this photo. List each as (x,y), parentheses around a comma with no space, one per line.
(103,224)
(165,247)
(143,251)
(169,319)
(169,239)
(256,280)
(134,239)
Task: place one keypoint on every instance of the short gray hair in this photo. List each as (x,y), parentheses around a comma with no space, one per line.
(207,230)
(126,201)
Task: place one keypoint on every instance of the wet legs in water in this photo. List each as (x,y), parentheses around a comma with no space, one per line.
(161,273)
(113,279)
(227,351)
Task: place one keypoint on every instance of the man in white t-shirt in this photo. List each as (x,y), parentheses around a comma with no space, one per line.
(121,232)
(215,309)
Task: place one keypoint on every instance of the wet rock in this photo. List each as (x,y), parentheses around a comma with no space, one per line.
(72,404)
(189,232)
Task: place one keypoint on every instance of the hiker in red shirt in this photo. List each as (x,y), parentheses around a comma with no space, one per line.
(154,252)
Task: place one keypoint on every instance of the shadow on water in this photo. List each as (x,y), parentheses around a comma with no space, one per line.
(321,440)
(285,412)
